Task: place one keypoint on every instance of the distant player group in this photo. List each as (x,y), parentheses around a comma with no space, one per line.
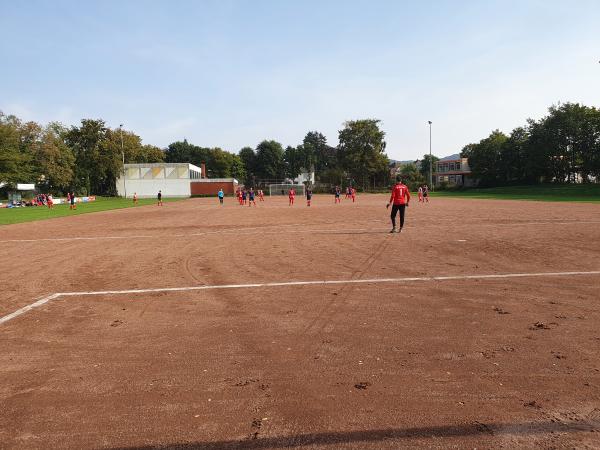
(248,196)
(399,199)
(245,196)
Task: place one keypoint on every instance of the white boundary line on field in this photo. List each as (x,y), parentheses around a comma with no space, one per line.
(49,298)
(162,236)
(268,230)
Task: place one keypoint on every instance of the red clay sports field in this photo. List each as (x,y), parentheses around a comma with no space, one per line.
(195,326)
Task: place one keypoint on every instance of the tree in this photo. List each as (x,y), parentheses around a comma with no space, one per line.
(248,158)
(96,164)
(149,154)
(361,150)
(412,177)
(511,168)
(425,165)
(15,159)
(179,152)
(294,160)
(317,153)
(567,141)
(484,158)
(238,171)
(54,159)
(269,160)
(220,163)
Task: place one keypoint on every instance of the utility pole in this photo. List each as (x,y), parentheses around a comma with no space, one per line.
(123,155)
(430,159)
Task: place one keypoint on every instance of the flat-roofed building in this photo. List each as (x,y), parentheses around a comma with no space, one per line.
(453,170)
(146,179)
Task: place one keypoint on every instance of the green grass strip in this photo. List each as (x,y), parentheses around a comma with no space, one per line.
(33,213)
(547,193)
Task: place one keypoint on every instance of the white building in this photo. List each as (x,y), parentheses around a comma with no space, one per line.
(173,179)
(305,177)
(453,170)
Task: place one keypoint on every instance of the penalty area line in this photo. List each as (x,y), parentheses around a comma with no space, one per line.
(272,229)
(51,297)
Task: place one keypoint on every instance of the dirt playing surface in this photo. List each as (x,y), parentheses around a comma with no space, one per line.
(457,363)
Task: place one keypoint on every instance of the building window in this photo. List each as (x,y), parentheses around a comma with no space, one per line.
(182,172)
(146,173)
(133,173)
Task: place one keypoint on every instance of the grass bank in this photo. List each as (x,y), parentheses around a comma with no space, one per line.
(547,193)
(33,213)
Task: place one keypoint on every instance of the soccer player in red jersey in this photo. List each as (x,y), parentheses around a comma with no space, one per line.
(353,193)
(399,200)
(291,196)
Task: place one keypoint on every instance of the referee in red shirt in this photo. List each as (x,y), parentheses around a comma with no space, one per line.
(399,200)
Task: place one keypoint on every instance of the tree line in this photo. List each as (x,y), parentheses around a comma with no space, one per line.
(358,159)
(561,147)
(88,158)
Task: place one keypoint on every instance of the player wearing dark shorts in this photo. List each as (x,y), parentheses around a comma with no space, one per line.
(399,200)
(159,198)
(73,206)
(308,196)
(251,197)
(337,195)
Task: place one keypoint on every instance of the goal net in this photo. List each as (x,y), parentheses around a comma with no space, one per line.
(283,189)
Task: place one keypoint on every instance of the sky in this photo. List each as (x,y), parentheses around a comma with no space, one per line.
(230,73)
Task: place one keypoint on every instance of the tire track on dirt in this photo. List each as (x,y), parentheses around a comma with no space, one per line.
(294,428)
(331,307)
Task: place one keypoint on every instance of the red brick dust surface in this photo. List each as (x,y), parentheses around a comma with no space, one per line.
(412,362)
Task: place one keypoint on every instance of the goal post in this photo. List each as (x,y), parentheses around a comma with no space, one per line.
(284,188)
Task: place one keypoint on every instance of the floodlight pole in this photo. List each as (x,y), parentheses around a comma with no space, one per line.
(430,160)
(123,155)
